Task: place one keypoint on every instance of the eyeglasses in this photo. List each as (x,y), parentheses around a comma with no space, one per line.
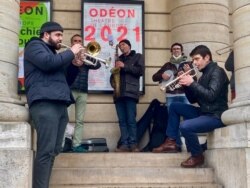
(176,48)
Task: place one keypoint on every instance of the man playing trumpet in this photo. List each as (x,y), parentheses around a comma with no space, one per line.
(48,95)
(80,92)
(210,92)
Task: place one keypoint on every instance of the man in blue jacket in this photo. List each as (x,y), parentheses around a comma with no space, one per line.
(210,92)
(48,95)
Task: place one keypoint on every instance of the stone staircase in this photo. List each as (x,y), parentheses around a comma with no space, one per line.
(128,170)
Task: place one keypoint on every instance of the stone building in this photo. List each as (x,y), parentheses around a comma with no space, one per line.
(217,24)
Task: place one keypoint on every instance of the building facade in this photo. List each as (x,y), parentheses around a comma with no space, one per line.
(217,24)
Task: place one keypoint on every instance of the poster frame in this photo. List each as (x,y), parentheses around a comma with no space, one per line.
(142,51)
(21,89)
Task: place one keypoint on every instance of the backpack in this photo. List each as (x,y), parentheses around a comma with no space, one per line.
(157,134)
(157,114)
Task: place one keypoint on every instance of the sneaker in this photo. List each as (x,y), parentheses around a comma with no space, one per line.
(122,148)
(79,149)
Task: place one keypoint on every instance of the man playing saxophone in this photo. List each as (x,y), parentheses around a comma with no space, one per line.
(131,66)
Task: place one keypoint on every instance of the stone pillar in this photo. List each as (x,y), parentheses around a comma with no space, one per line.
(195,22)
(230,154)
(15,132)
(206,22)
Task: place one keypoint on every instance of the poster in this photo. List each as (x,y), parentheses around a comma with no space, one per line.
(32,15)
(108,22)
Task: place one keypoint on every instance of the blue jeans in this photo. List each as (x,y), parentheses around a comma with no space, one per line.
(50,120)
(170,100)
(194,123)
(182,99)
(126,112)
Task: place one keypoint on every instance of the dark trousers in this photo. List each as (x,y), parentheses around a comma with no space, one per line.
(126,112)
(50,120)
(194,123)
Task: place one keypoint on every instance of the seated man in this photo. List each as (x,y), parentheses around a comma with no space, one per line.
(210,92)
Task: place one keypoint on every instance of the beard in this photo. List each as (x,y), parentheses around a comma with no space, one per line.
(54,44)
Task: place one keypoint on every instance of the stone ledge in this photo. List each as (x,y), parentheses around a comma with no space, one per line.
(15,135)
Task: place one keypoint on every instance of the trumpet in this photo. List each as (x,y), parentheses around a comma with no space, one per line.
(93,49)
(173,84)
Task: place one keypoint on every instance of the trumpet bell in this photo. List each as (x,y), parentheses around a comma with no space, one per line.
(93,48)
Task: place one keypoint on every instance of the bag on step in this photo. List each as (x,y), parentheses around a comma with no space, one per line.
(95,145)
(158,132)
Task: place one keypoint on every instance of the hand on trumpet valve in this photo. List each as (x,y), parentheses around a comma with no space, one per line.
(76,48)
(79,58)
(186,80)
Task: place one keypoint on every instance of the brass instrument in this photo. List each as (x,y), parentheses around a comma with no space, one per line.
(115,76)
(224,50)
(93,49)
(173,84)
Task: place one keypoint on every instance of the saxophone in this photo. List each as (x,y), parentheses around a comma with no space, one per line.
(115,76)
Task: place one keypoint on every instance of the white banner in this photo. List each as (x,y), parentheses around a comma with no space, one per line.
(108,23)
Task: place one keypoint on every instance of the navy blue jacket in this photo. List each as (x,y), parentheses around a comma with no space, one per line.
(45,72)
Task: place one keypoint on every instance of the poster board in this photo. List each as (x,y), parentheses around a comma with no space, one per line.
(32,15)
(108,22)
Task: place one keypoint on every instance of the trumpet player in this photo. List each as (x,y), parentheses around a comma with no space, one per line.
(210,92)
(48,95)
(80,92)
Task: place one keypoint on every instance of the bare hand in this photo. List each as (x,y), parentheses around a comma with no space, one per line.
(76,48)
(186,67)
(165,76)
(77,62)
(180,73)
(119,64)
(186,80)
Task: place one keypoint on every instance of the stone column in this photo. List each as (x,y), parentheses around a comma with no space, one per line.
(195,22)
(15,132)
(206,22)
(232,142)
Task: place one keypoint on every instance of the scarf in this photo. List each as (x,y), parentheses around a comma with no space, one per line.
(178,60)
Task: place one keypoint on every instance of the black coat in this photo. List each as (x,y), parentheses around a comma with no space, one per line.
(45,72)
(130,74)
(211,90)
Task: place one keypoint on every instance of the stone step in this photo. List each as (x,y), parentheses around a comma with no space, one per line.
(130,175)
(178,185)
(87,160)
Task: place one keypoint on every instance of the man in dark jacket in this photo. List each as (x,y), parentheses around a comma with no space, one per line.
(131,66)
(80,92)
(48,95)
(210,92)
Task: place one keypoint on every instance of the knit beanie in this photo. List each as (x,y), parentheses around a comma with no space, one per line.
(50,26)
(125,41)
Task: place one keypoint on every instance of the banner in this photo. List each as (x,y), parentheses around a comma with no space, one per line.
(108,22)
(32,15)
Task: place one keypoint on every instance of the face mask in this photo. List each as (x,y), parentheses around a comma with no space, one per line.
(176,57)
